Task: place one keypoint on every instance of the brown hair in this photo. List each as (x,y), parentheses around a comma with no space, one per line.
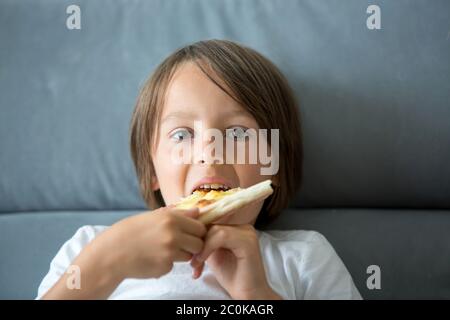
(255,83)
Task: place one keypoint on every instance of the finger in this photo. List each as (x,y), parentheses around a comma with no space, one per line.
(191,213)
(191,244)
(182,255)
(197,272)
(192,227)
(217,237)
(194,261)
(219,219)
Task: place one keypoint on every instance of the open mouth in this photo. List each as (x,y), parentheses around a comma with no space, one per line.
(213,186)
(215,204)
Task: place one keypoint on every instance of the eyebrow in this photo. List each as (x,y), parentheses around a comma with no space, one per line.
(191,115)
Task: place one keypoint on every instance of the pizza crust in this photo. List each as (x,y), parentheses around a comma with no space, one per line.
(233,201)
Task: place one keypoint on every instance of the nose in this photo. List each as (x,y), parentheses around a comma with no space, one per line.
(208,150)
(208,147)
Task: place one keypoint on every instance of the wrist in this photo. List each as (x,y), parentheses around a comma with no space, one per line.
(110,257)
(105,260)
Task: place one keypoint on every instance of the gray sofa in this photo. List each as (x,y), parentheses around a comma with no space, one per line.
(375,107)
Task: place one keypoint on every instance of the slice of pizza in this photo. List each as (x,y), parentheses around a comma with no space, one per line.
(214,204)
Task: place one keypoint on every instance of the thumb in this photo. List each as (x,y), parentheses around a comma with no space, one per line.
(191,213)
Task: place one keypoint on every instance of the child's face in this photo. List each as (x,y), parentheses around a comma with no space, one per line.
(192,96)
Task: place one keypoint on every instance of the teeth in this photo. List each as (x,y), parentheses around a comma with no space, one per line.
(213,186)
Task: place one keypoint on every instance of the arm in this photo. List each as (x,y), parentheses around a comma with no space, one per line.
(122,252)
(98,276)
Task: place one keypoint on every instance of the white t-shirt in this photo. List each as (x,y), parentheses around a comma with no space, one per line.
(299,264)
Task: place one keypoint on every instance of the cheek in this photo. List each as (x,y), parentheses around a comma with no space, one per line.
(170,175)
(249,174)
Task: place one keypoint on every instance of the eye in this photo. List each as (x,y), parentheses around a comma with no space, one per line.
(180,135)
(236,133)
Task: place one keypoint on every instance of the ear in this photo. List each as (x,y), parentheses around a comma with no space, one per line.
(155,183)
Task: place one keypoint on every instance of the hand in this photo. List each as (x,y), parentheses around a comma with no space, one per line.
(233,255)
(147,244)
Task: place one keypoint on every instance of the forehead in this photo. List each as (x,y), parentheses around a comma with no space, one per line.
(190,89)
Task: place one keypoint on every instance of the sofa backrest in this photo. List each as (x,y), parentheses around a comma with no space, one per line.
(374,103)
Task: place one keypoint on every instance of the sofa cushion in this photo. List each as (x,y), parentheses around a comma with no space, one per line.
(411,247)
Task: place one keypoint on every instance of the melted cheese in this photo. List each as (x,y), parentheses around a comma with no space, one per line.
(202,198)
